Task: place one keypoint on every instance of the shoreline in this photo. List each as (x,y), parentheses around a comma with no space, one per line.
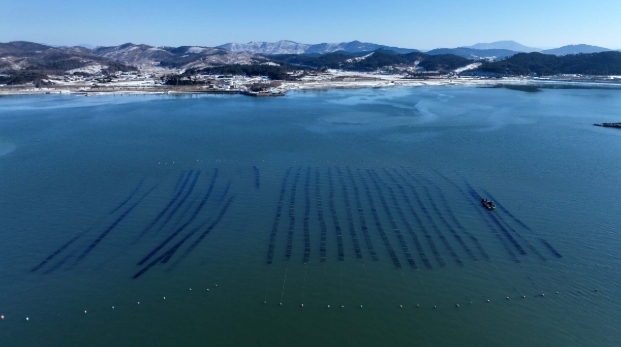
(364,82)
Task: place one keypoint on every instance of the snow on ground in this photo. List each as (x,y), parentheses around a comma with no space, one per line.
(90,69)
(468,67)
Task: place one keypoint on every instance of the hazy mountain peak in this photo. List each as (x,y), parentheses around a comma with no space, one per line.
(291,47)
(508,44)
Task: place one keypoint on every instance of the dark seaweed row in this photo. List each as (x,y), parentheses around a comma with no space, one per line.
(454,218)
(350,218)
(482,215)
(499,205)
(205,198)
(322,222)
(58,251)
(502,208)
(441,216)
(129,197)
(179,180)
(111,227)
(60,263)
(378,224)
(337,225)
(408,202)
(185,225)
(363,222)
(405,222)
(172,250)
(395,228)
(170,203)
(447,245)
(307,207)
(257,177)
(183,199)
(557,254)
(283,188)
(528,244)
(491,215)
(294,189)
(166,256)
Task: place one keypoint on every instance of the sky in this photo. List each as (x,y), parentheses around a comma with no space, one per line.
(404,23)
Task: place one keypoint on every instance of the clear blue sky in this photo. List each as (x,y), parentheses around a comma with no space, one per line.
(405,23)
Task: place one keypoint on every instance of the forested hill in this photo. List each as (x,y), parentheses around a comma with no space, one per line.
(376,60)
(604,63)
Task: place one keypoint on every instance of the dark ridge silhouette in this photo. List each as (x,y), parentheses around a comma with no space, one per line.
(307,207)
(363,222)
(405,222)
(350,218)
(378,224)
(454,218)
(395,228)
(322,222)
(185,225)
(170,203)
(483,217)
(283,188)
(434,226)
(111,227)
(294,189)
(129,197)
(441,216)
(337,225)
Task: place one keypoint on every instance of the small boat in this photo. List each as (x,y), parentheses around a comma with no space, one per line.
(488,204)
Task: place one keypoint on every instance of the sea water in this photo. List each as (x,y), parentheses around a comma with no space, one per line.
(109,204)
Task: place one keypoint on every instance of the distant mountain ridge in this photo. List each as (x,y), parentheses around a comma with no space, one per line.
(508,45)
(575,49)
(471,53)
(291,47)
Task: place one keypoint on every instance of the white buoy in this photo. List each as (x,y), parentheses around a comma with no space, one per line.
(342,306)
(417,305)
(264,302)
(138,302)
(281,304)
(508,298)
(523,296)
(456,305)
(216,285)
(113,307)
(27,318)
(488,300)
(84,311)
(542,295)
(328,306)
(400,306)
(556,292)
(190,289)
(207,289)
(435,307)
(164,298)
(301,305)
(360,307)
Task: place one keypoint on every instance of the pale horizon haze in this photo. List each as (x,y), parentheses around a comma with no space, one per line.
(408,24)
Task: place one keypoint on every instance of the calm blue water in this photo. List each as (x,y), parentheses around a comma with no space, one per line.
(113,201)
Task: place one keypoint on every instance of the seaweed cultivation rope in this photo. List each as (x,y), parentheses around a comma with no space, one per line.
(270,252)
(363,223)
(350,218)
(337,225)
(418,220)
(378,224)
(404,220)
(395,228)
(292,213)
